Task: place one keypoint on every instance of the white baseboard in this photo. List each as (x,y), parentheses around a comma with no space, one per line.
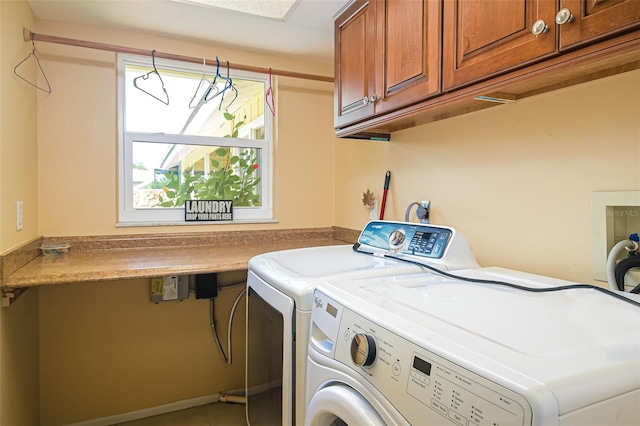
(154,411)
(263,387)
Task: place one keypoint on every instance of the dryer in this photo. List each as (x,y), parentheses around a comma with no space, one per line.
(426,349)
(280,297)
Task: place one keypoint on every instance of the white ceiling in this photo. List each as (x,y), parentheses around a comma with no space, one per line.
(306,34)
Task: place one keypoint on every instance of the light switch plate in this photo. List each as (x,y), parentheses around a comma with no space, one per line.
(19,215)
(373,213)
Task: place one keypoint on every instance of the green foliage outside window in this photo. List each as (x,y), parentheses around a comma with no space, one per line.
(232,177)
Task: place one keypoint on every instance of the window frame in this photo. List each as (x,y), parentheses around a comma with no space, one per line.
(169,216)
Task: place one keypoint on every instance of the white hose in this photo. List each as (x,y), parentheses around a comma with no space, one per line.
(611,261)
(226,357)
(231,315)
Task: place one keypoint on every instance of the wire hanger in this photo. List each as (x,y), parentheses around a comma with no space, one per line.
(228,88)
(268,97)
(203,84)
(33,53)
(146,77)
(218,92)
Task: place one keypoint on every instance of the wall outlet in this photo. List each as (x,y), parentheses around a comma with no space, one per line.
(19,215)
(169,288)
(373,213)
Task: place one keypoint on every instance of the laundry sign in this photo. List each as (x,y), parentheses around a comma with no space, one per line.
(208,210)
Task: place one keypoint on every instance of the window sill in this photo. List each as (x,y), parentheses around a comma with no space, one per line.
(182,223)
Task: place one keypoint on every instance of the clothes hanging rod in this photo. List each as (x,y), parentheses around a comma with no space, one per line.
(29,35)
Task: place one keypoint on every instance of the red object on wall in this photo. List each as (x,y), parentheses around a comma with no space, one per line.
(387,178)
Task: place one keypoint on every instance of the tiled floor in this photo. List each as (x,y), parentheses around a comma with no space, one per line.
(218,414)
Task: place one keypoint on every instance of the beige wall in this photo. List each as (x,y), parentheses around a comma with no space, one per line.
(18,137)
(516,179)
(77,128)
(19,369)
(106,349)
(19,372)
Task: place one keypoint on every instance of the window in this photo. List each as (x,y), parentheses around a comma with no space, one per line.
(187,135)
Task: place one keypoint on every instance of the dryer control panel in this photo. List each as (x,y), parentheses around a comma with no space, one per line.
(429,244)
(423,386)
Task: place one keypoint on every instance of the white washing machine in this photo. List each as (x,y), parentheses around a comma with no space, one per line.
(280,295)
(433,350)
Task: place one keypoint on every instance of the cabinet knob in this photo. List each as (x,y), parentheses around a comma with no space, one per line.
(374,98)
(365,100)
(564,16)
(539,27)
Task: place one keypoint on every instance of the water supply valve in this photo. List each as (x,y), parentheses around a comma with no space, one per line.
(422,213)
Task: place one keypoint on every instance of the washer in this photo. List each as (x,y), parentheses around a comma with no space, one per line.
(280,297)
(424,349)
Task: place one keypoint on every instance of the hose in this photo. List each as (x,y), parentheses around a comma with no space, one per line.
(422,212)
(406,213)
(226,358)
(611,261)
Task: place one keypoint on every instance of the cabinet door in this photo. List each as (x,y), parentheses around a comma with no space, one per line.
(354,62)
(593,19)
(407,52)
(483,38)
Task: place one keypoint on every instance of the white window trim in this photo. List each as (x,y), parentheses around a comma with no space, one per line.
(130,216)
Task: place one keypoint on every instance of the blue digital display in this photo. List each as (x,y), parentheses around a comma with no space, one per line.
(419,240)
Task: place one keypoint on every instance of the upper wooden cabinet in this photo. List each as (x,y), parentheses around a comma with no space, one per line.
(485,37)
(402,63)
(387,56)
(355,36)
(589,20)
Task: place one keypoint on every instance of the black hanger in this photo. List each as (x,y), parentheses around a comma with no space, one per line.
(33,53)
(208,96)
(146,77)
(228,88)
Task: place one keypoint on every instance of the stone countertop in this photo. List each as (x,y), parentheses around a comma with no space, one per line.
(111,258)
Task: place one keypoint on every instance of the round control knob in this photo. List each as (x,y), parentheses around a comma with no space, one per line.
(396,238)
(564,16)
(363,349)
(539,27)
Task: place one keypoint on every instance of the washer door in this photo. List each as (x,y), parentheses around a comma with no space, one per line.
(340,405)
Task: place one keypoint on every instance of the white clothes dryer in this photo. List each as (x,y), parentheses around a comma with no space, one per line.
(280,297)
(510,348)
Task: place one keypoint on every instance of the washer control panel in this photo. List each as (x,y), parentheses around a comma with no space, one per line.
(406,238)
(424,387)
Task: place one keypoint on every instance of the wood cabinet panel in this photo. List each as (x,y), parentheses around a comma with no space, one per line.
(403,59)
(355,59)
(401,63)
(594,19)
(477,23)
(408,52)
(387,56)
(485,37)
